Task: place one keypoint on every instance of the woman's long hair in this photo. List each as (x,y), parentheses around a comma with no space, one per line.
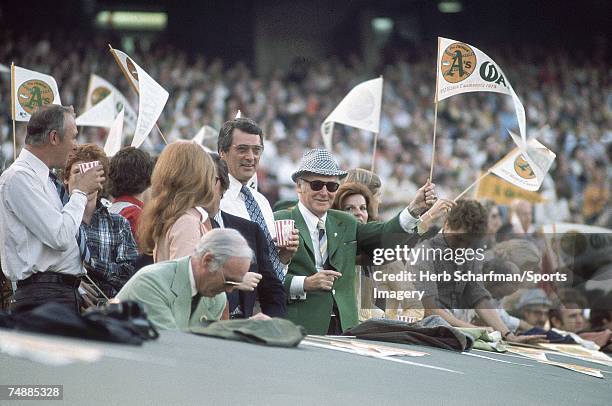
(183,178)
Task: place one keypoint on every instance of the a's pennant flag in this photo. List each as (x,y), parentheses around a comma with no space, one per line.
(114,139)
(525,166)
(152,97)
(360,108)
(31,90)
(102,114)
(239,114)
(97,91)
(205,133)
(464,68)
(128,66)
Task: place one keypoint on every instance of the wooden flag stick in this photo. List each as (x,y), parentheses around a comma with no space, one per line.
(376,134)
(472,185)
(374,152)
(433,146)
(126,74)
(13,110)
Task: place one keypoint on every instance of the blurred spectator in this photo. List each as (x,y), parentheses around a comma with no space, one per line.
(534,306)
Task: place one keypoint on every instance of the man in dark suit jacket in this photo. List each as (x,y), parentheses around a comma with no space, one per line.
(269,291)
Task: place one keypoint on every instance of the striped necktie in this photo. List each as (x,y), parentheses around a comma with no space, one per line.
(322,240)
(81,236)
(257,217)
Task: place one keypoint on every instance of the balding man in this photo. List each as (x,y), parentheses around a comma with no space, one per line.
(42,247)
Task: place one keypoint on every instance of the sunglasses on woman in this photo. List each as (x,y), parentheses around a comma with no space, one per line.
(317,185)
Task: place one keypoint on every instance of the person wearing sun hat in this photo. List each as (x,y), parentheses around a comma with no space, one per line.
(320,279)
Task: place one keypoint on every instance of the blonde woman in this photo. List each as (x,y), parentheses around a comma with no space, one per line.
(174,221)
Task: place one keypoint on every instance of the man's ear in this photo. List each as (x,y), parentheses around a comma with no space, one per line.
(54,137)
(222,154)
(299,185)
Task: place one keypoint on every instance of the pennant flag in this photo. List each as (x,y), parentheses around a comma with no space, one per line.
(101,114)
(97,91)
(525,166)
(360,108)
(115,135)
(239,114)
(463,68)
(205,133)
(502,192)
(128,66)
(31,90)
(152,98)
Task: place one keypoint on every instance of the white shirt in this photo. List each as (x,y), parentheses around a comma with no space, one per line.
(37,234)
(233,203)
(296,290)
(194,290)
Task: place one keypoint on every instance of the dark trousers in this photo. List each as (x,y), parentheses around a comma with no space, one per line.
(34,294)
(335,327)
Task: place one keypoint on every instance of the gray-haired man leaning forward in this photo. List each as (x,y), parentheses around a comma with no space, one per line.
(182,293)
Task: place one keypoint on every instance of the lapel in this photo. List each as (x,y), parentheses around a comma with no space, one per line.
(334,229)
(181,306)
(300,224)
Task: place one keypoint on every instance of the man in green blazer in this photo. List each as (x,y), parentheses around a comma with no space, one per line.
(182,293)
(320,282)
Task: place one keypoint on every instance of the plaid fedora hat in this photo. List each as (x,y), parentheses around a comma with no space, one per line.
(319,162)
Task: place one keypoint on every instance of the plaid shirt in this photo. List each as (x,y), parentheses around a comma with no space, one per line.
(113,250)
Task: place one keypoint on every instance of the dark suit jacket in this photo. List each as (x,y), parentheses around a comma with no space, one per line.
(270,290)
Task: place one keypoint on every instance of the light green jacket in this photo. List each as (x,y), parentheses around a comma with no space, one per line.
(165,292)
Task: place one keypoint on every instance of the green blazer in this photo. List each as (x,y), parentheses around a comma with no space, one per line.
(165,292)
(345,238)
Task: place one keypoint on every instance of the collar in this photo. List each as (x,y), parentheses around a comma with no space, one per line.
(310,219)
(234,188)
(194,291)
(129,199)
(39,167)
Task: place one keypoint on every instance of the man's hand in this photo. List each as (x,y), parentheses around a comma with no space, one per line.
(249,282)
(441,208)
(424,199)
(322,280)
(287,252)
(535,339)
(88,182)
(90,297)
(260,316)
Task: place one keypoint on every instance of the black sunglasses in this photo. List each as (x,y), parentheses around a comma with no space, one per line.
(317,185)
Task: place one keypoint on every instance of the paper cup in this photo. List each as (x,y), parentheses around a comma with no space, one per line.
(284,229)
(85,166)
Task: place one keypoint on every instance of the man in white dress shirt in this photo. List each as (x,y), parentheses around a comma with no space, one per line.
(240,145)
(38,232)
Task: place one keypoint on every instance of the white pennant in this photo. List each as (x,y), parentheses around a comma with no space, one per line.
(102,114)
(360,108)
(97,90)
(115,136)
(463,68)
(525,166)
(32,90)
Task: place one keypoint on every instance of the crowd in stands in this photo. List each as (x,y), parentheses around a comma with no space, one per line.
(211,235)
(568,103)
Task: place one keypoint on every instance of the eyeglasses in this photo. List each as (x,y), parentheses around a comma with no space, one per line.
(244,149)
(317,185)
